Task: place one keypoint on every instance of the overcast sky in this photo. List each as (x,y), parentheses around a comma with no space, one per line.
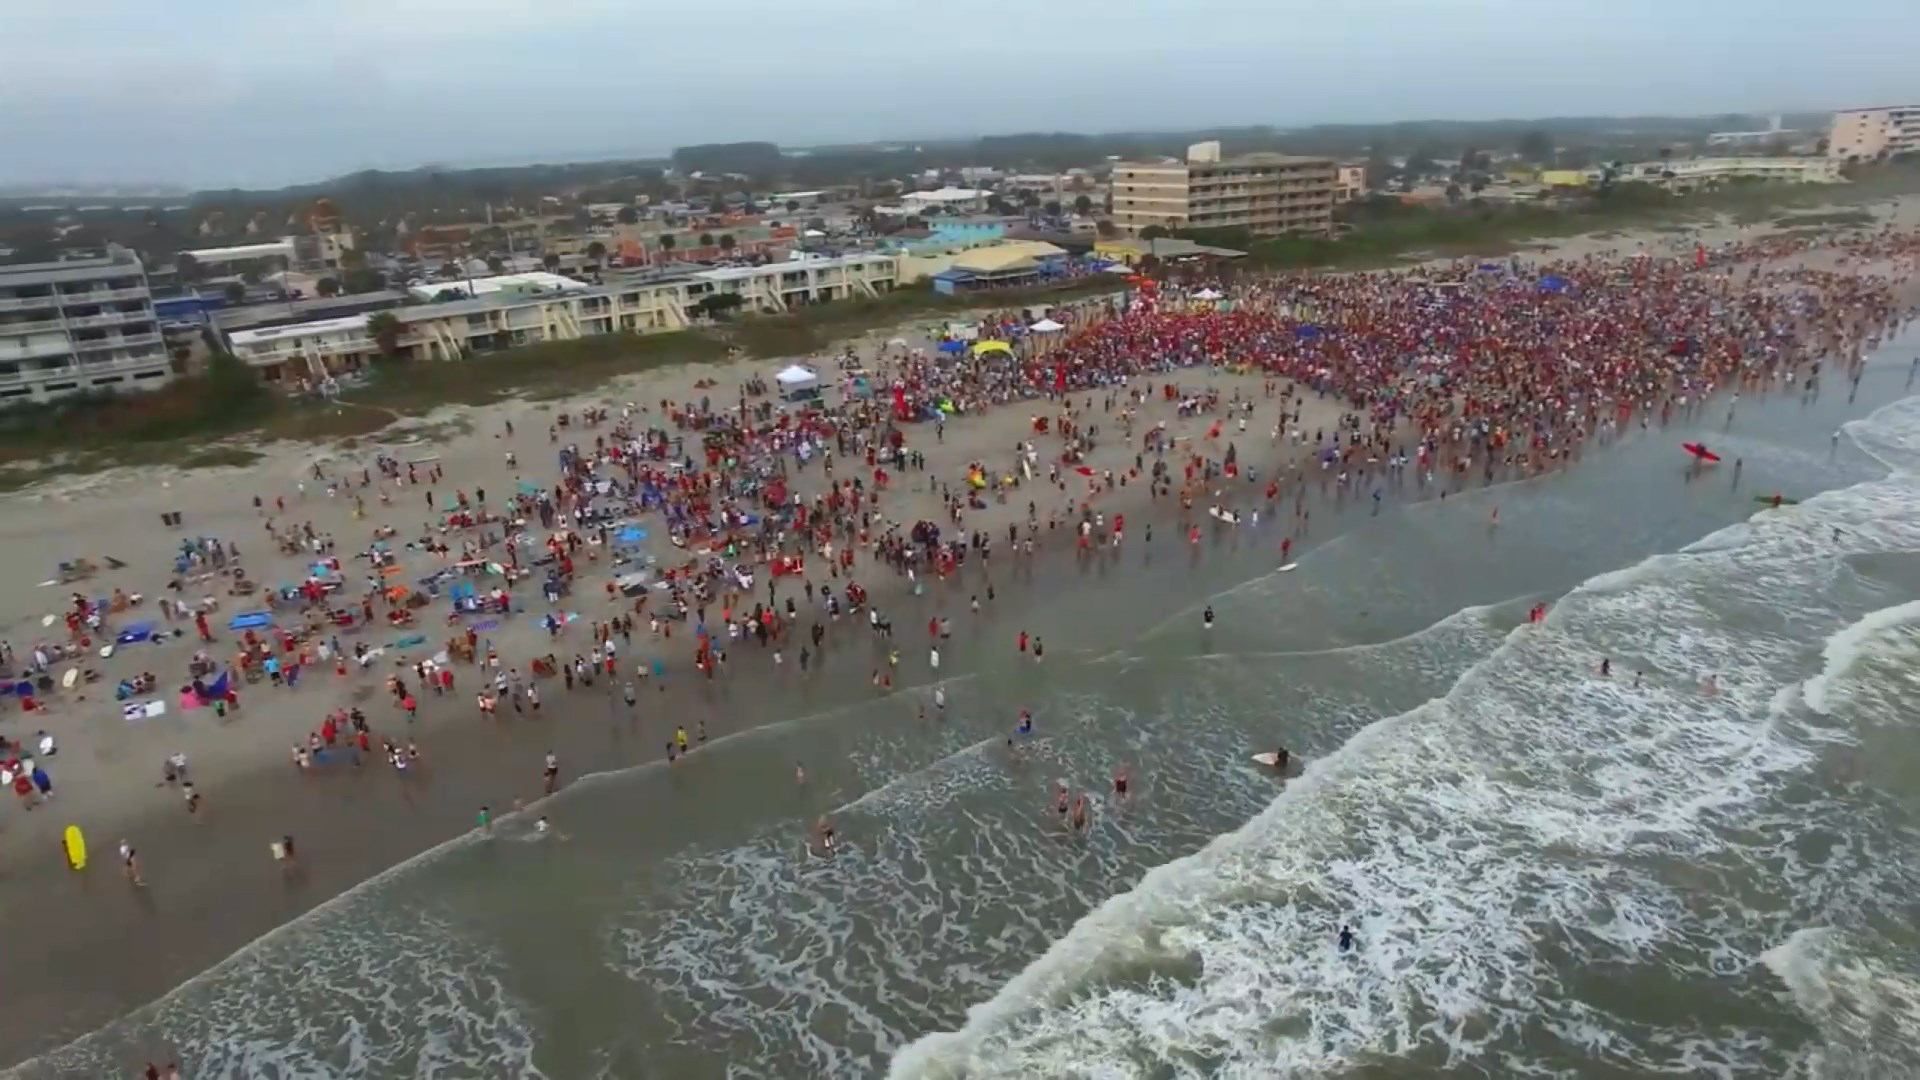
(242,93)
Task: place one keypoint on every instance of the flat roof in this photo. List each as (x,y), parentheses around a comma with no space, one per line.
(530,281)
(742,273)
(318,326)
(254,314)
(946,194)
(239,252)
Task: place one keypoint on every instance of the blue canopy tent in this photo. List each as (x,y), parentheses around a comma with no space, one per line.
(629,536)
(1554,283)
(953,346)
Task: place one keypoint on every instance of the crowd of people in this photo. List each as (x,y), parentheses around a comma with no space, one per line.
(1442,377)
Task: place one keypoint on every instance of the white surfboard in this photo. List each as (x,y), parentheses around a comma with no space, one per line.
(1288,568)
(1269,759)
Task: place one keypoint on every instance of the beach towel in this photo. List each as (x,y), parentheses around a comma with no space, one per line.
(134,632)
(410,641)
(135,711)
(250,620)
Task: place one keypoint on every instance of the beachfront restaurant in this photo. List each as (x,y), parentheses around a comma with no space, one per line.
(1007,265)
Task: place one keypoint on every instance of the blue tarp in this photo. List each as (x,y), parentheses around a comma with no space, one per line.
(1553,283)
(250,620)
(630,535)
(460,590)
(953,346)
(134,632)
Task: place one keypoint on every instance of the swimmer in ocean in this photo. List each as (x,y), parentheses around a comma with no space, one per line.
(1206,618)
(824,830)
(1061,799)
(1026,723)
(1080,813)
(1120,779)
(1346,938)
(1280,759)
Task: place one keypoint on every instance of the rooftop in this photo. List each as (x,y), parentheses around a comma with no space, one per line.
(533,281)
(318,326)
(742,273)
(242,252)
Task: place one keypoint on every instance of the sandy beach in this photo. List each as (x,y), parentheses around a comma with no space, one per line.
(211,884)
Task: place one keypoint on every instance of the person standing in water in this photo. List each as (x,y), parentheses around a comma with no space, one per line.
(1206,617)
(1346,938)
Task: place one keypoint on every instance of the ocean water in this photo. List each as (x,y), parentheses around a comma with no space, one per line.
(1702,863)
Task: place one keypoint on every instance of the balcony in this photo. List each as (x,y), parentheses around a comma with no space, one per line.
(28,352)
(38,326)
(102,296)
(26,303)
(125,341)
(110,318)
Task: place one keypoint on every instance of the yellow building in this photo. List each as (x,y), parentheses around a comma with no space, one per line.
(1563,178)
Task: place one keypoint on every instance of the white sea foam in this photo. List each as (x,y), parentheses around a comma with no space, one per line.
(1463,840)
(1844,648)
(1867,1009)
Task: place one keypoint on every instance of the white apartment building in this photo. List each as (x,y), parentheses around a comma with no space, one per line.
(780,286)
(78,325)
(1688,172)
(448,331)
(506,318)
(311,350)
(1874,134)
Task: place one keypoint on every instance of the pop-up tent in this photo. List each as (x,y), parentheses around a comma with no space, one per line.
(1207,294)
(983,347)
(1046,326)
(798,382)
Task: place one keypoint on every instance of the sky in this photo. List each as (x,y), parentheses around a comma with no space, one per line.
(237,93)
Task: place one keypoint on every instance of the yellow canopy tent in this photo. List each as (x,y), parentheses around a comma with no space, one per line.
(992,346)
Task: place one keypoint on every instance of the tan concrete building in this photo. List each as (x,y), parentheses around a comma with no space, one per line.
(1264,194)
(1350,183)
(1873,134)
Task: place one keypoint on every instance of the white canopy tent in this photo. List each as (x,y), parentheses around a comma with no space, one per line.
(1207,294)
(1046,326)
(797,381)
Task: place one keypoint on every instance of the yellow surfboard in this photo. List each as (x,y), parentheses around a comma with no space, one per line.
(76,848)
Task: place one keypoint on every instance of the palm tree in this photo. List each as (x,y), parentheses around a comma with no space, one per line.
(596,251)
(327,286)
(1082,205)
(666,243)
(384,328)
(495,264)
(706,239)
(550,261)
(726,242)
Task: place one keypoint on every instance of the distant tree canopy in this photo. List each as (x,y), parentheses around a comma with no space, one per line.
(1152,232)
(1536,146)
(327,286)
(1082,205)
(754,159)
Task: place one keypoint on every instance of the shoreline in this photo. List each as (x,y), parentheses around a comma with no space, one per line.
(357,833)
